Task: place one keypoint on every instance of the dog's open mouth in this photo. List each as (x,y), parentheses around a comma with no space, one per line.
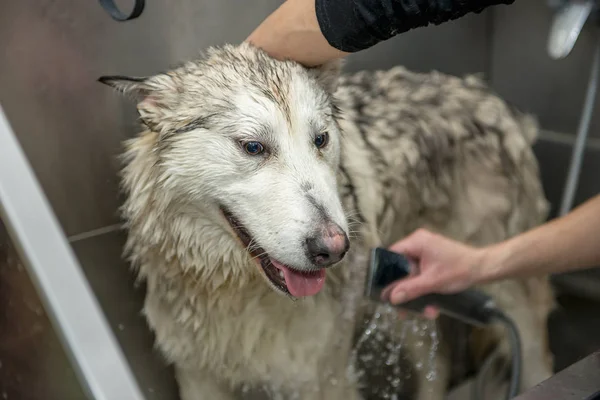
(284,278)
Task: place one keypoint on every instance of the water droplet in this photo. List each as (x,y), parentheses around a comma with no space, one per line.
(431,375)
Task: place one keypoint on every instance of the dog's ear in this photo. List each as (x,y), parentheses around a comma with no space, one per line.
(134,87)
(328,74)
(153,94)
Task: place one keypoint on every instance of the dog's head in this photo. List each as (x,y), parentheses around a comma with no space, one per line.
(253,141)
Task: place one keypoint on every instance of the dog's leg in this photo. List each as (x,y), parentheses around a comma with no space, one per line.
(201,385)
(336,383)
(536,356)
(335,390)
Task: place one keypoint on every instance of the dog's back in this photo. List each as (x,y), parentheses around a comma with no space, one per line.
(444,153)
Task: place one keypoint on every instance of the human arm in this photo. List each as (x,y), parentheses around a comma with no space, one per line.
(569,243)
(292,32)
(314,32)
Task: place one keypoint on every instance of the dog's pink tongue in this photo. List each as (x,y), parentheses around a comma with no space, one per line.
(302,284)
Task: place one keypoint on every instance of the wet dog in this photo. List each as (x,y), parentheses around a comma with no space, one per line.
(257,187)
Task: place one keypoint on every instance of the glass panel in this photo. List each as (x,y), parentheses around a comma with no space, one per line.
(33,364)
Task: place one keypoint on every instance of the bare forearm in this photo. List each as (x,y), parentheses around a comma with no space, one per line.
(314,32)
(293,32)
(564,244)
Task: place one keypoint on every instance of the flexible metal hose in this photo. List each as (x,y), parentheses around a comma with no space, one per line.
(516,359)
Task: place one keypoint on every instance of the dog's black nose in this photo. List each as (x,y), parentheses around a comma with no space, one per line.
(328,247)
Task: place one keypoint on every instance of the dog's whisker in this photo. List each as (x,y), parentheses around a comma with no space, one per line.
(250,244)
(264,253)
(355,227)
(355,221)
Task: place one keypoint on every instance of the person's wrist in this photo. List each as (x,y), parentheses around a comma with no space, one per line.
(491,262)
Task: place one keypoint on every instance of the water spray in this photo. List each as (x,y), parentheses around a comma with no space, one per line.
(471,306)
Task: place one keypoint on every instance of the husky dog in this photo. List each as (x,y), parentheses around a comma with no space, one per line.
(258,186)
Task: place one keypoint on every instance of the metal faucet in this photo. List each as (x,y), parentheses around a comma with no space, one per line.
(571,16)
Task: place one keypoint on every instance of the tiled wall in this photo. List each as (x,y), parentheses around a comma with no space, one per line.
(51,53)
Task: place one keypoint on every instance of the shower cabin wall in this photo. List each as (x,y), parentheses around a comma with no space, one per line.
(554,90)
(522,72)
(71,128)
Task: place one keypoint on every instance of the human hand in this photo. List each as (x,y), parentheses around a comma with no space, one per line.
(442,266)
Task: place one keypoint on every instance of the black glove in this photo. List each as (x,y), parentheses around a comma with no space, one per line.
(353,25)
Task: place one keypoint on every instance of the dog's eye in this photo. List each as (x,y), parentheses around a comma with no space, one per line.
(321,140)
(253,148)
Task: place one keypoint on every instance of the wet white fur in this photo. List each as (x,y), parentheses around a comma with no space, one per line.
(215,317)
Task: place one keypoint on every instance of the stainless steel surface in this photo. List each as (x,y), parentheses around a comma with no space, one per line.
(67,296)
(582,135)
(554,155)
(457,47)
(578,382)
(524,73)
